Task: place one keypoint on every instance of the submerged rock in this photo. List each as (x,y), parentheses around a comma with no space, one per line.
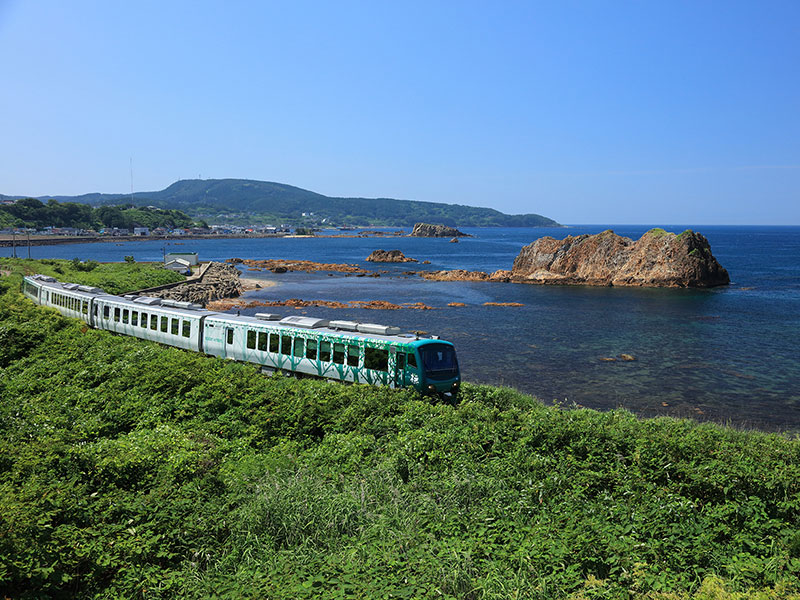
(428,230)
(657,259)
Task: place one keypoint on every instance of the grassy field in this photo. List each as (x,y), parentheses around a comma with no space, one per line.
(132,470)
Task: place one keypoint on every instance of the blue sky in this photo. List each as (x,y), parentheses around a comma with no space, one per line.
(587,112)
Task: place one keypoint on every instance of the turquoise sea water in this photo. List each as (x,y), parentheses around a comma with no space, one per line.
(729,354)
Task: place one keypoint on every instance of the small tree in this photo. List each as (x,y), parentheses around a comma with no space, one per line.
(129,260)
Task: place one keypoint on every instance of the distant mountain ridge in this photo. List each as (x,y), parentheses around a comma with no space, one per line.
(231,199)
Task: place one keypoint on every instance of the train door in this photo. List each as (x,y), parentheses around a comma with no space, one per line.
(404,372)
(229,350)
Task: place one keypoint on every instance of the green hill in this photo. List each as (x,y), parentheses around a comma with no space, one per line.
(244,200)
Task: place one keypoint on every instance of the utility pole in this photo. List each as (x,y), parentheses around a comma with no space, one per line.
(14,243)
(29,244)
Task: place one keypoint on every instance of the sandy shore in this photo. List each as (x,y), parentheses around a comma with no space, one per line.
(250,284)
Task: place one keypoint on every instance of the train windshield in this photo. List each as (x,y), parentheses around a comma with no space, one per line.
(439,361)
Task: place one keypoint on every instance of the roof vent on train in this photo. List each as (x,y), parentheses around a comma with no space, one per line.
(70,286)
(90,289)
(344,325)
(267,316)
(307,322)
(148,301)
(376,329)
(178,304)
(45,278)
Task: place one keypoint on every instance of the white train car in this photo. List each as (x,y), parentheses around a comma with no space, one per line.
(69,299)
(173,323)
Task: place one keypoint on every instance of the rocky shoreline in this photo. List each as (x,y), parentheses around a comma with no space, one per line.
(657,259)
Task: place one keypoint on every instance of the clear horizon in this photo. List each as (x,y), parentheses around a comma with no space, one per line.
(584,112)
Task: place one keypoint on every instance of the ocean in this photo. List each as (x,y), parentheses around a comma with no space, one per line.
(728,354)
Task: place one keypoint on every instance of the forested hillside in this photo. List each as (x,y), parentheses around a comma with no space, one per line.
(133,470)
(225,200)
(30,212)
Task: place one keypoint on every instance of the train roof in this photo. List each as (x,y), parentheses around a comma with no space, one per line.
(53,283)
(353,329)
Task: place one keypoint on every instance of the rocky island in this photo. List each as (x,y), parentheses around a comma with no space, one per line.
(389,256)
(657,259)
(428,230)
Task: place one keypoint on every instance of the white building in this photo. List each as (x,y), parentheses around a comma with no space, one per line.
(189,257)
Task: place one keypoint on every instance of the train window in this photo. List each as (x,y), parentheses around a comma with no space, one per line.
(262,340)
(154,322)
(376,359)
(143,322)
(311,349)
(338,354)
(352,356)
(229,335)
(85,307)
(164,324)
(286,344)
(325,351)
(401,360)
(116,314)
(174,325)
(134,317)
(106,312)
(299,347)
(187,329)
(273,342)
(125,314)
(412,360)
(95,310)
(251,339)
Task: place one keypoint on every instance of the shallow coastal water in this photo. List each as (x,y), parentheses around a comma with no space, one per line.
(729,354)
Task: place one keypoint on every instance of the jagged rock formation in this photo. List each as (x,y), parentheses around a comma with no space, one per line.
(657,259)
(220,280)
(462,275)
(393,256)
(427,230)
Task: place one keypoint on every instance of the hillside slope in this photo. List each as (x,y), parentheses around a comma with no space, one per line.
(278,201)
(133,470)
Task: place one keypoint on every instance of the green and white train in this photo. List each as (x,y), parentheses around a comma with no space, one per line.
(337,350)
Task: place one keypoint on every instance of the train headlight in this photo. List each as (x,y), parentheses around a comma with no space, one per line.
(454,386)
(432,388)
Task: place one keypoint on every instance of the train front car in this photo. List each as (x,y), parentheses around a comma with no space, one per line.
(439,368)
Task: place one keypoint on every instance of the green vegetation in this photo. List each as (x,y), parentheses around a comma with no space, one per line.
(658,232)
(114,278)
(243,201)
(133,470)
(30,212)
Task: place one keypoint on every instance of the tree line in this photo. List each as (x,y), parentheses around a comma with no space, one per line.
(30,212)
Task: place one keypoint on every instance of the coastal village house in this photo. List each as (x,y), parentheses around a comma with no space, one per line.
(190,258)
(180,265)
